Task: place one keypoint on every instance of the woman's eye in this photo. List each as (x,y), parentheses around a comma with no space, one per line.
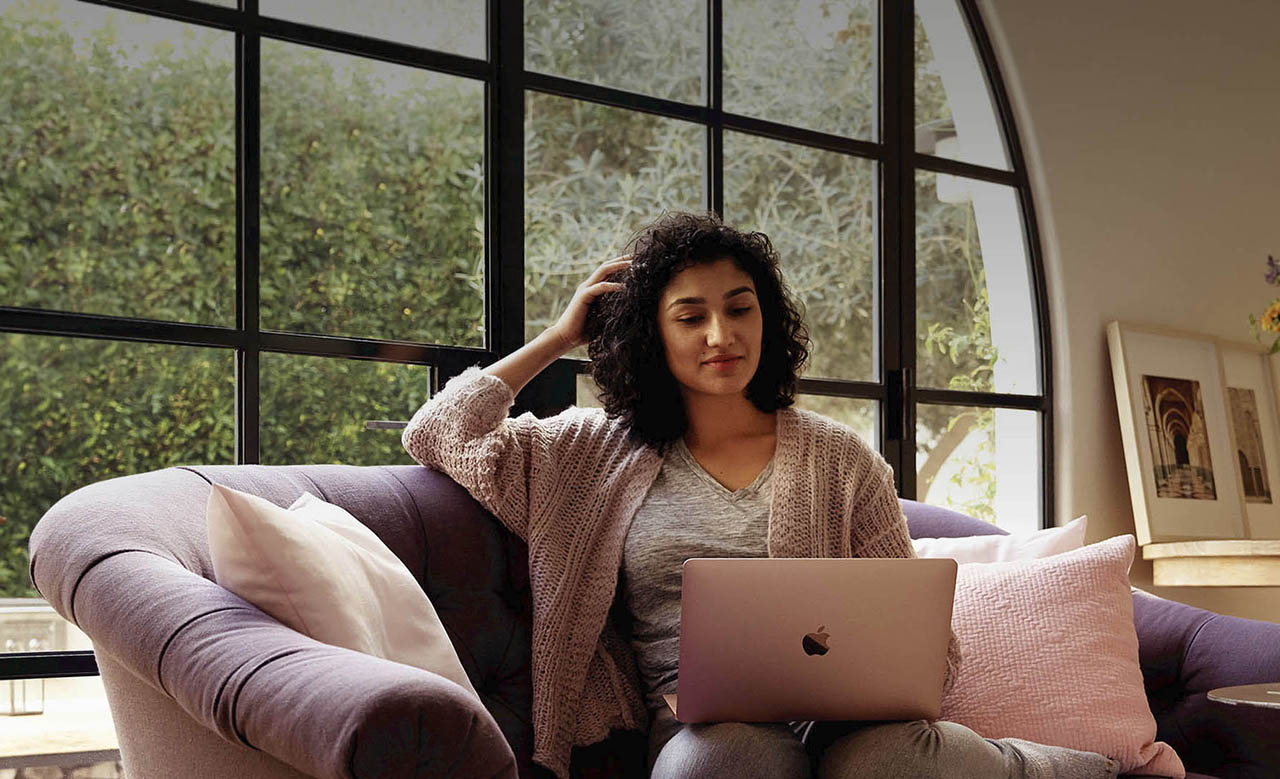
(741,310)
(689,320)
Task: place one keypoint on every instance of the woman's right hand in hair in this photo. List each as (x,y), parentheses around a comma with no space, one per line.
(572,323)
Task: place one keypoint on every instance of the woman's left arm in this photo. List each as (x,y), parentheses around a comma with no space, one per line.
(879,529)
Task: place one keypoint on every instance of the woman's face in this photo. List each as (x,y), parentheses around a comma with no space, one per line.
(711,328)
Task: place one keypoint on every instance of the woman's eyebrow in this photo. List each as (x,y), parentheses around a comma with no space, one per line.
(727,295)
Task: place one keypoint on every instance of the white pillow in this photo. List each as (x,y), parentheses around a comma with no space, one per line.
(995,549)
(319,570)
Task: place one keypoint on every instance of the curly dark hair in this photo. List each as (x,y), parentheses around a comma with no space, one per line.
(628,359)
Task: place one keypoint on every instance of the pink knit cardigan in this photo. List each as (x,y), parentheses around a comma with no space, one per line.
(569,485)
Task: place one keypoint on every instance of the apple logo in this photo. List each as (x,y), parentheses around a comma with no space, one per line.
(816,643)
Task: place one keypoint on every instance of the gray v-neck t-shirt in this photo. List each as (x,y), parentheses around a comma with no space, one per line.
(686,513)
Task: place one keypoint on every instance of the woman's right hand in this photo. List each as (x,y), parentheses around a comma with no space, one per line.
(571,324)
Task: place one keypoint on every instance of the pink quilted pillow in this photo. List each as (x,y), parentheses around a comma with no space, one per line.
(1050,655)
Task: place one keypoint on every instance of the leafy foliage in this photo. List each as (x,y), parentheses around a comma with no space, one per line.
(118,191)
(655,48)
(594,175)
(808,63)
(372,199)
(78,411)
(117,197)
(818,209)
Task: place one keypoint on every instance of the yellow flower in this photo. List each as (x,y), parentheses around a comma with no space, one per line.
(1271,317)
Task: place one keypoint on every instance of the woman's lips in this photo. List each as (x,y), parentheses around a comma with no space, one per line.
(723,363)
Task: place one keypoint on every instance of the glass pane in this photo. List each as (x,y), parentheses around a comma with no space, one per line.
(588,392)
(52,724)
(65,727)
(858,413)
(975,322)
(372,199)
(31,625)
(77,411)
(594,175)
(314,409)
(454,26)
(117,194)
(808,63)
(955,116)
(818,209)
(656,48)
(980,461)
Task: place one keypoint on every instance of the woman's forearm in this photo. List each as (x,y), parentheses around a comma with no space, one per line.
(519,367)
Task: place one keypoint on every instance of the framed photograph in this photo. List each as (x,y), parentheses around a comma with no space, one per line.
(1179,448)
(1249,374)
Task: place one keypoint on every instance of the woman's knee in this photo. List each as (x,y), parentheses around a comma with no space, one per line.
(732,749)
(906,750)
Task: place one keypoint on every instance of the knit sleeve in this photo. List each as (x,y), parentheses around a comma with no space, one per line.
(465,433)
(877,526)
(953,664)
(880,530)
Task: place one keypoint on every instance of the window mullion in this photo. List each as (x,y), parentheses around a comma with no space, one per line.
(248,254)
(504,179)
(713,195)
(904,66)
(896,244)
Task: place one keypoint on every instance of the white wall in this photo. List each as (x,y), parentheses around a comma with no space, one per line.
(1151,130)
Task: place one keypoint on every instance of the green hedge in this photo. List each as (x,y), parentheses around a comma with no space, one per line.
(117,197)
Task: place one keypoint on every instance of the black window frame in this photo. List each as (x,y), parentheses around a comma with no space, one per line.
(505,83)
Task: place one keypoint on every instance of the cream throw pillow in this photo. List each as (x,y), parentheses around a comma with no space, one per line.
(319,570)
(1017,546)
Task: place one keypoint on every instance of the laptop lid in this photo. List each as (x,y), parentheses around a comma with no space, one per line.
(776,639)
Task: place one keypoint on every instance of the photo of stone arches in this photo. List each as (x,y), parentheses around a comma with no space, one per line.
(1243,404)
(1179,438)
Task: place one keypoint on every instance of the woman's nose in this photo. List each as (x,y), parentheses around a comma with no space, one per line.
(718,331)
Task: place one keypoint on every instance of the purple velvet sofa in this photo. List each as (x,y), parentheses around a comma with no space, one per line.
(203,684)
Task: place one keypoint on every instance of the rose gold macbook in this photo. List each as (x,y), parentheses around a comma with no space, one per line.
(777,639)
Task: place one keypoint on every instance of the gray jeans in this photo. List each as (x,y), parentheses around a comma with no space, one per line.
(865,750)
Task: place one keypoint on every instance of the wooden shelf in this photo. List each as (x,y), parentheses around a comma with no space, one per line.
(1219,563)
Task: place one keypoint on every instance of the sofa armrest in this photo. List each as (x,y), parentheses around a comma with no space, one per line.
(1186,652)
(327,711)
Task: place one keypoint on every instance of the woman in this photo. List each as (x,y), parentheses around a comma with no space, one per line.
(698,453)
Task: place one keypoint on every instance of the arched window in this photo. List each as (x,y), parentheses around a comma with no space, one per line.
(873,143)
(237,232)
(982,382)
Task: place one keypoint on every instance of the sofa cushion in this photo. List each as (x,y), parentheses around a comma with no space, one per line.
(999,548)
(319,570)
(926,521)
(1050,655)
